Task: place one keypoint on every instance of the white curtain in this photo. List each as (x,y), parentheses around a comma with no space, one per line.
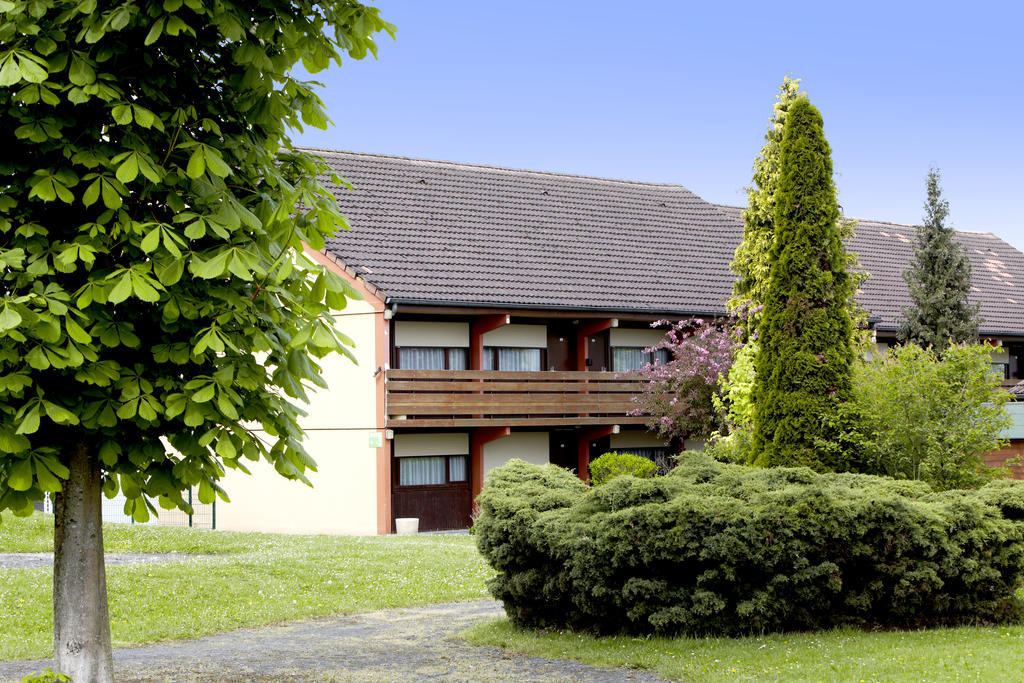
(420,358)
(457,468)
(421,471)
(513,360)
(625,358)
(457,359)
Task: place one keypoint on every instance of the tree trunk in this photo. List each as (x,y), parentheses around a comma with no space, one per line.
(81,625)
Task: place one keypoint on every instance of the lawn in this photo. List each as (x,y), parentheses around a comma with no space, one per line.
(240,579)
(991,654)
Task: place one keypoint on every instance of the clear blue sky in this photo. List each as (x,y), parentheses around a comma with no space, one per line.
(681,92)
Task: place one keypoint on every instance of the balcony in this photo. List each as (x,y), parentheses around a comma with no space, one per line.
(483,398)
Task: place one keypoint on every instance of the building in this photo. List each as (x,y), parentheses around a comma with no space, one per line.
(500,306)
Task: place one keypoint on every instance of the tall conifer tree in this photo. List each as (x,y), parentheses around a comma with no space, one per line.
(750,262)
(806,334)
(939,279)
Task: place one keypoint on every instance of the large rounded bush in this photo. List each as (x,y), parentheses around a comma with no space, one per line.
(713,548)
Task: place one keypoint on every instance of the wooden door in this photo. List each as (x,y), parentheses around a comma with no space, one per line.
(561,348)
(562,449)
(597,351)
(439,506)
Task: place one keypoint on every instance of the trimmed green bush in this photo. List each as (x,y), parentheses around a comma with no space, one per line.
(615,464)
(713,548)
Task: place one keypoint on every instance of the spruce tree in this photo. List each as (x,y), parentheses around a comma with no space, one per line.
(806,334)
(939,279)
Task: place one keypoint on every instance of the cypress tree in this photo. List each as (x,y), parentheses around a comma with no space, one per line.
(806,334)
(750,262)
(939,279)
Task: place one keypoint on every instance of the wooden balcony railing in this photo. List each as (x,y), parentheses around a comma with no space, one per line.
(480,398)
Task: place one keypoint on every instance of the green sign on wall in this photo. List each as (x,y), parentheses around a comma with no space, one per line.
(376,440)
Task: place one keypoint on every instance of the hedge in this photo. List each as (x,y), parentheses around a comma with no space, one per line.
(614,464)
(722,549)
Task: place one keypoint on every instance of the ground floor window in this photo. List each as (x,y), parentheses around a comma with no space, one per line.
(434,470)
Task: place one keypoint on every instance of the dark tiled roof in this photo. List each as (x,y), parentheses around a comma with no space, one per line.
(439,232)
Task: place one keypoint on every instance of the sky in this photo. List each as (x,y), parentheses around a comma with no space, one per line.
(681,93)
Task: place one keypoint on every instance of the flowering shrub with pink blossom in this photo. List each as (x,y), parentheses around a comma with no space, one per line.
(679,397)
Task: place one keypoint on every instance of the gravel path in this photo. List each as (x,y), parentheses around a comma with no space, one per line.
(408,644)
(28,560)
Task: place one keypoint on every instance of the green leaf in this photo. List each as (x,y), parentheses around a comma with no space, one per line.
(92,193)
(11,442)
(59,414)
(129,168)
(206,495)
(76,332)
(215,162)
(9,318)
(204,394)
(122,114)
(19,476)
(143,288)
(151,241)
(29,422)
(10,72)
(122,290)
(196,163)
(154,32)
(81,72)
(111,193)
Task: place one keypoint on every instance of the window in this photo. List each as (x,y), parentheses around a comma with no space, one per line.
(509,359)
(432,358)
(626,358)
(435,470)
(1001,370)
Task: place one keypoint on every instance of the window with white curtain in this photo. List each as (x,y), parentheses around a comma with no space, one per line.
(421,471)
(510,359)
(432,470)
(431,358)
(457,468)
(626,358)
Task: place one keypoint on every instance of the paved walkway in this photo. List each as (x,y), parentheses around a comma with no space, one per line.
(408,644)
(28,560)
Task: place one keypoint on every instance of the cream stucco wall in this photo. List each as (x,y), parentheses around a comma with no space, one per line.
(529,446)
(635,438)
(416,333)
(338,426)
(523,336)
(408,445)
(343,499)
(624,336)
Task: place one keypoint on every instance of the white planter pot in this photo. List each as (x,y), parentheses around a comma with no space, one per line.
(407,526)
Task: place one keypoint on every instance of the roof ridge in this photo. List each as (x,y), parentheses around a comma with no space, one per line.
(892,223)
(508,169)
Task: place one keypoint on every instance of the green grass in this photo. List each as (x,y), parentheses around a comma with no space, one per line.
(240,580)
(991,654)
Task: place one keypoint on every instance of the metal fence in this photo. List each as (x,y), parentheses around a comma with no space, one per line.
(204,515)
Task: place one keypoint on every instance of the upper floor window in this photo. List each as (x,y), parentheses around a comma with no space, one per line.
(626,358)
(513,359)
(432,358)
